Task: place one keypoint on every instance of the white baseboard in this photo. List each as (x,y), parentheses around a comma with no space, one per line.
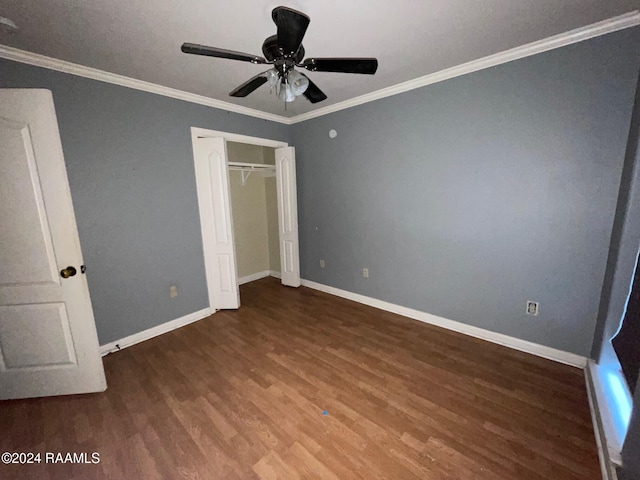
(257,276)
(177,323)
(606,465)
(253,277)
(505,340)
(154,331)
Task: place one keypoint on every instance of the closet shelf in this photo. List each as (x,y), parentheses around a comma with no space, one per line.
(251,166)
(247,168)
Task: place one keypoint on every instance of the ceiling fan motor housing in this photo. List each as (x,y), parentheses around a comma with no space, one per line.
(271,51)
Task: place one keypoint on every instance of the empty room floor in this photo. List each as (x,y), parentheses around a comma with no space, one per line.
(299,384)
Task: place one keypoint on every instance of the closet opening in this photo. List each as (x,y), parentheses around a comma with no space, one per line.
(248,212)
(254,210)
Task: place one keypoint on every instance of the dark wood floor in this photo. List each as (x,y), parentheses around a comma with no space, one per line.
(243,395)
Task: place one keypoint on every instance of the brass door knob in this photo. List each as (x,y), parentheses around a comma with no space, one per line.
(68,272)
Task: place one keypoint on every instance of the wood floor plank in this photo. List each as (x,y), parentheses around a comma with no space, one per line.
(298,384)
(272,467)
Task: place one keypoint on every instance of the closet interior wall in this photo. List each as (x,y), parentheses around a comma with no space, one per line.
(254,208)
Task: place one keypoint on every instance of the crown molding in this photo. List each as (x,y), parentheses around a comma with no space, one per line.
(610,25)
(22,56)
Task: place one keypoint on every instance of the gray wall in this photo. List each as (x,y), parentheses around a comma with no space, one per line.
(625,240)
(469,197)
(620,270)
(130,166)
(464,198)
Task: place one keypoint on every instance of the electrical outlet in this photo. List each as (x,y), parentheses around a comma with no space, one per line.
(173,291)
(532,308)
(321,263)
(365,272)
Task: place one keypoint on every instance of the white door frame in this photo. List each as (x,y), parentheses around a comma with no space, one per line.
(207,208)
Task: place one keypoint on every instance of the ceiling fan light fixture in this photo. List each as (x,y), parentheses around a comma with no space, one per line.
(298,82)
(284,51)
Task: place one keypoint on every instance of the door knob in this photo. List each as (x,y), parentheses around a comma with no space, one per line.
(68,272)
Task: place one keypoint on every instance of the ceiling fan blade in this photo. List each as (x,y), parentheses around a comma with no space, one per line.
(221,53)
(367,66)
(249,86)
(292,25)
(313,93)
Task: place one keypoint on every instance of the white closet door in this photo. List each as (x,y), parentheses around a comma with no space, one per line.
(288,216)
(212,180)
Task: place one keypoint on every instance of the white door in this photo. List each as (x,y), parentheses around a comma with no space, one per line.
(48,340)
(212,181)
(288,216)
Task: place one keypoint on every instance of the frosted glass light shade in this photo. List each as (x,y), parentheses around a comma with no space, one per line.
(272,77)
(286,93)
(299,83)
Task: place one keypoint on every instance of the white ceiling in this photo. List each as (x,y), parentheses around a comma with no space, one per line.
(411,38)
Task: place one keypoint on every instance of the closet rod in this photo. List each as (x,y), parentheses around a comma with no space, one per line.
(246,169)
(250,166)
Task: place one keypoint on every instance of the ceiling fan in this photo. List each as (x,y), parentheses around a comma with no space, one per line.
(285,52)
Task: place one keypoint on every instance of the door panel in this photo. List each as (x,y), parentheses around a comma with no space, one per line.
(48,340)
(226,275)
(23,209)
(288,216)
(218,172)
(212,181)
(289,264)
(25,333)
